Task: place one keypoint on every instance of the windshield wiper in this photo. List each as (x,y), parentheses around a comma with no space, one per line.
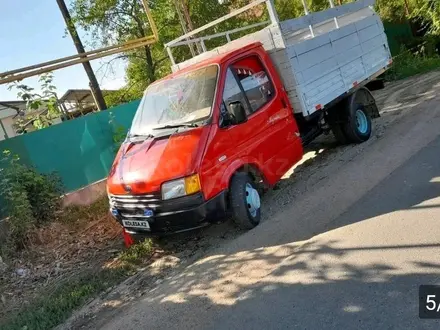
(140,137)
(176,126)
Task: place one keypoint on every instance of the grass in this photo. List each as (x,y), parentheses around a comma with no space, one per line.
(137,253)
(408,64)
(97,209)
(51,310)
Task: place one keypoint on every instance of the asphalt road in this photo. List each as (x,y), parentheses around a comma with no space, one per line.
(348,253)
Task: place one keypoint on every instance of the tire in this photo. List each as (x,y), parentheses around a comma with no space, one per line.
(245,215)
(358,126)
(335,119)
(339,134)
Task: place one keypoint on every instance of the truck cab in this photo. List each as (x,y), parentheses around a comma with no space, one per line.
(202,144)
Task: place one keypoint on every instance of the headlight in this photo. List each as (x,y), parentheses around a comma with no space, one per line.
(181,187)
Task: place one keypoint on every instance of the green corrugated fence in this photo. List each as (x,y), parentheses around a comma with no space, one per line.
(397,34)
(81,151)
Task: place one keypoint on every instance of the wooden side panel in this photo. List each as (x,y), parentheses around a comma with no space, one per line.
(330,64)
(316,18)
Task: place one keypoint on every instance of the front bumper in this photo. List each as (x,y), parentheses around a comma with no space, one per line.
(172,216)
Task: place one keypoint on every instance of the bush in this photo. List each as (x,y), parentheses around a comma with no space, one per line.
(426,46)
(32,199)
(119,133)
(408,64)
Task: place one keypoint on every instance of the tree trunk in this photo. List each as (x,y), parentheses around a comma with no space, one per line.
(94,86)
(149,65)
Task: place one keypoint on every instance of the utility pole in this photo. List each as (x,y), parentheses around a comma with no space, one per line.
(94,86)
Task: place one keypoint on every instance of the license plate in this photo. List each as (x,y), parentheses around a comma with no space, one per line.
(136,224)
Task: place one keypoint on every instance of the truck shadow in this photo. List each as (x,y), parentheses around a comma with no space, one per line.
(421,184)
(286,287)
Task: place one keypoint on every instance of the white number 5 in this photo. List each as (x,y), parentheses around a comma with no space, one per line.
(429,300)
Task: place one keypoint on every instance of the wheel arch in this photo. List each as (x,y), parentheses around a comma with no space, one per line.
(363,96)
(241,166)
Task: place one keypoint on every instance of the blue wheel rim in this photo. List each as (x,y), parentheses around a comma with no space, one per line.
(361,122)
(252,200)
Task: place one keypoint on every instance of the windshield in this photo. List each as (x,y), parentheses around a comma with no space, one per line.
(184,99)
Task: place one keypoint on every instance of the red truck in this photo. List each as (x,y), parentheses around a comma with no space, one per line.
(207,139)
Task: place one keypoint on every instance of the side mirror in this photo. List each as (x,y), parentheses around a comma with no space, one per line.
(237,112)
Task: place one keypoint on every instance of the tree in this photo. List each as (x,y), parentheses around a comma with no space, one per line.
(117,21)
(41,108)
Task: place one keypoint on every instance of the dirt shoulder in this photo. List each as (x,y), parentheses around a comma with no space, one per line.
(328,180)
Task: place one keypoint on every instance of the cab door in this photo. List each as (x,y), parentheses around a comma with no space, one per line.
(269,135)
(231,140)
(245,138)
(267,138)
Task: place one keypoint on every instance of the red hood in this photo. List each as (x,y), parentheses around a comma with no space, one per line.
(142,168)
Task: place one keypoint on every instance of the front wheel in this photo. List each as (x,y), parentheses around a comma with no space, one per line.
(358,125)
(245,201)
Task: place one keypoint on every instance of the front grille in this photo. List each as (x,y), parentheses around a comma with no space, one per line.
(151,201)
(133,206)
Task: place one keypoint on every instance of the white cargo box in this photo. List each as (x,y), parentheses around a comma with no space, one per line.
(320,56)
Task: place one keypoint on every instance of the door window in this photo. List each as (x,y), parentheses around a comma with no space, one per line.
(233,92)
(255,81)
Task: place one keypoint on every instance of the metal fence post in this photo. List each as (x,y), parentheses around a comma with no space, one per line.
(170,54)
(272,12)
(306,11)
(332,5)
(202,42)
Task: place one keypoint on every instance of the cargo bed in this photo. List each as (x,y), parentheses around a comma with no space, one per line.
(320,56)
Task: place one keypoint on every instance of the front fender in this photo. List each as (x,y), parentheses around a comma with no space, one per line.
(238,164)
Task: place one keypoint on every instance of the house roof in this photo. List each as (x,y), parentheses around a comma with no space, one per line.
(5,105)
(80,95)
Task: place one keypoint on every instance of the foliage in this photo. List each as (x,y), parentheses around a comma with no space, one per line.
(50,310)
(41,108)
(116,21)
(85,213)
(119,133)
(425,14)
(121,96)
(32,199)
(428,46)
(408,64)
(136,253)
(54,307)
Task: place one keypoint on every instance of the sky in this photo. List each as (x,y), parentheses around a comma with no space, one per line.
(33,31)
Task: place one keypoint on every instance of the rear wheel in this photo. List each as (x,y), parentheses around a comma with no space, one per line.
(339,133)
(358,125)
(336,118)
(245,201)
